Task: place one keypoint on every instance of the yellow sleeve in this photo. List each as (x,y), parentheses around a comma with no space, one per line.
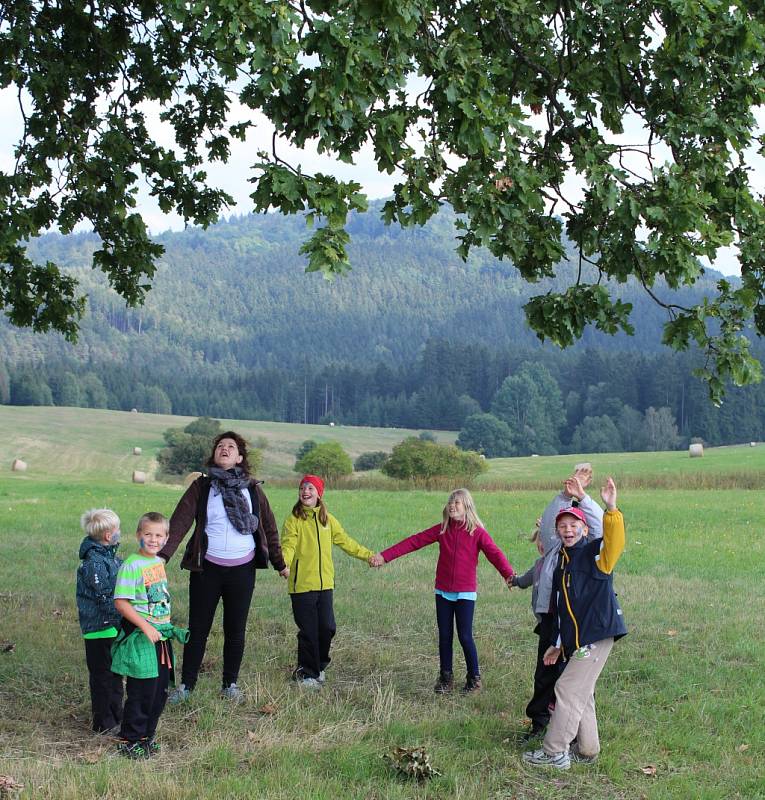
(289,538)
(612,543)
(347,543)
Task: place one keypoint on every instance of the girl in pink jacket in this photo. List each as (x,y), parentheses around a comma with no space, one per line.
(460,536)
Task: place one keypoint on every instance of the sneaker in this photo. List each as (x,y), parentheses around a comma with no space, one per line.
(472,684)
(580,758)
(306,681)
(179,695)
(152,747)
(233,693)
(322,677)
(445,683)
(539,758)
(132,750)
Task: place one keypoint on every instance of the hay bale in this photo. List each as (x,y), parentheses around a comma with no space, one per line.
(696,450)
(137,451)
(138,476)
(19,465)
(133,410)
(752,444)
(191,477)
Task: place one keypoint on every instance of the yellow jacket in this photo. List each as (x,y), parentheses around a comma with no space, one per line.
(307,550)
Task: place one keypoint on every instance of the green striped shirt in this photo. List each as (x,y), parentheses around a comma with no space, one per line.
(142,580)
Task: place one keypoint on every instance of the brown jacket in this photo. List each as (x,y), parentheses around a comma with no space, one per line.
(192,507)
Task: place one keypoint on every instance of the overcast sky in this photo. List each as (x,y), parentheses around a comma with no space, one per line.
(233,176)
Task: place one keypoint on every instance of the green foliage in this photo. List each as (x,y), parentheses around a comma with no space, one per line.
(487,435)
(303,451)
(518,101)
(370,460)
(596,435)
(426,436)
(416,459)
(189,448)
(327,460)
(529,402)
(660,429)
(204,426)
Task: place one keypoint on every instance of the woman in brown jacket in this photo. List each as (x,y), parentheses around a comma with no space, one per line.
(234,533)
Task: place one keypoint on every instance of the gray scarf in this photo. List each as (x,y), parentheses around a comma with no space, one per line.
(229,483)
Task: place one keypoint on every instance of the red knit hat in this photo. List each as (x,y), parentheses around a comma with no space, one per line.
(574,511)
(316,481)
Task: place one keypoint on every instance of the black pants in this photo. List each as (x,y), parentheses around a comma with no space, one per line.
(105,686)
(146,698)
(315,619)
(538,709)
(447,613)
(234,585)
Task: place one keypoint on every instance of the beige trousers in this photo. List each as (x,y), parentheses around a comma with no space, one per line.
(574,715)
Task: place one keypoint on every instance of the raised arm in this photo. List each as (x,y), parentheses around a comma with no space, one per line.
(614,538)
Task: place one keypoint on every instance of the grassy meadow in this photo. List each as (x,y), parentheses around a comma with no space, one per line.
(680,702)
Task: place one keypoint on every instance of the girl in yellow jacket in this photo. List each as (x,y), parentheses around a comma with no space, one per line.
(307,538)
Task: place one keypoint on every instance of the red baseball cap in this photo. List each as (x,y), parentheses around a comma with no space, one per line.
(316,481)
(574,511)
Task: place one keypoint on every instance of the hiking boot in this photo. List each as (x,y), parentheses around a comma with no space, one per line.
(133,750)
(445,683)
(179,695)
(539,758)
(580,758)
(472,684)
(233,693)
(534,732)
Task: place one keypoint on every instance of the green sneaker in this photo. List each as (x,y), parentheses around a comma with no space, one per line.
(133,750)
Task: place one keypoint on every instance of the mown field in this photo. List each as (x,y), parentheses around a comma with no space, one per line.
(682,697)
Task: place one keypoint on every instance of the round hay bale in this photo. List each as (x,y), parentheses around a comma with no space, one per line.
(191,477)
(696,450)
(19,465)
(752,444)
(133,410)
(137,451)
(138,476)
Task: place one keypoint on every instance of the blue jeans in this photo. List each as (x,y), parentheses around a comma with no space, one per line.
(447,613)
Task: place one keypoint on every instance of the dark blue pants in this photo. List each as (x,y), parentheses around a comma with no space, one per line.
(105,686)
(447,613)
(234,586)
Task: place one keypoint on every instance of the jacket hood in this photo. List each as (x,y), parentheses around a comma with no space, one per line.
(88,544)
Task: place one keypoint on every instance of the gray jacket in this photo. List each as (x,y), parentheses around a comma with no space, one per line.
(551,543)
(531,578)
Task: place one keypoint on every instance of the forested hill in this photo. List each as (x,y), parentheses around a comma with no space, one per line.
(238,292)
(412,337)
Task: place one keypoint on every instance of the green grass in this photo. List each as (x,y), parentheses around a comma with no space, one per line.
(683,692)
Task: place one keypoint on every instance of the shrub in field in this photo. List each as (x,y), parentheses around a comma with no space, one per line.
(414,458)
(302,451)
(203,426)
(328,460)
(371,460)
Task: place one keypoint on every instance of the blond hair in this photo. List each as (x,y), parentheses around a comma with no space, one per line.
(97,522)
(472,520)
(153,516)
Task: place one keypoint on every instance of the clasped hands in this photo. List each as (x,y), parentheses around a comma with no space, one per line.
(376,560)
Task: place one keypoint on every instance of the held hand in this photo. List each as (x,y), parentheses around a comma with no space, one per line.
(376,560)
(151,633)
(509,582)
(551,656)
(285,573)
(608,493)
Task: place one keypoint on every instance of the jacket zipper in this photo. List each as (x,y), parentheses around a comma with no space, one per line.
(294,579)
(564,585)
(318,542)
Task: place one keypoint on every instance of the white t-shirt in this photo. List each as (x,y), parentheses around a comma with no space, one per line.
(223,539)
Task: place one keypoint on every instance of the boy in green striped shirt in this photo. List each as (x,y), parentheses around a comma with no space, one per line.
(143,651)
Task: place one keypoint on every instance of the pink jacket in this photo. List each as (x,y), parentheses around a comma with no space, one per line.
(458,556)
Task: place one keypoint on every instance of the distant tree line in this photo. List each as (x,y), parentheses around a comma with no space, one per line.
(503,401)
